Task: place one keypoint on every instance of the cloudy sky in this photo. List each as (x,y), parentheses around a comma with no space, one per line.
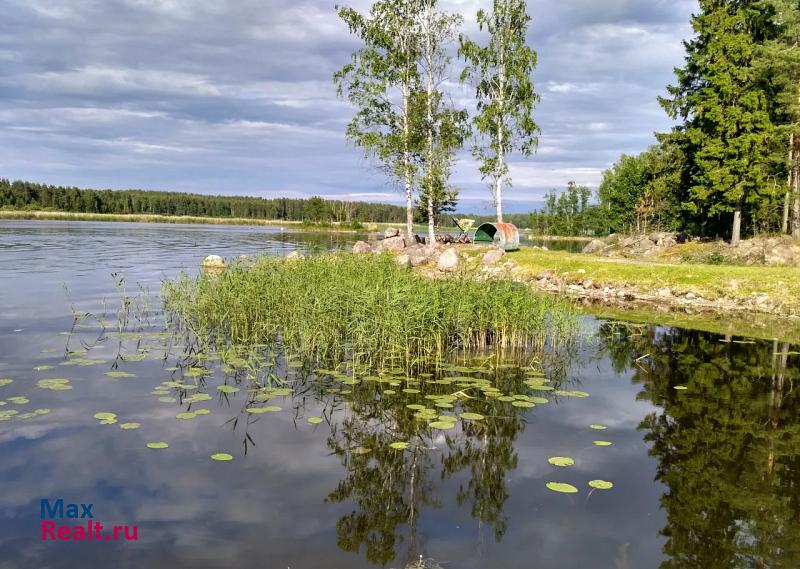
(235,97)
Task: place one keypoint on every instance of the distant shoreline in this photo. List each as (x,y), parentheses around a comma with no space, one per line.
(174,219)
(38,215)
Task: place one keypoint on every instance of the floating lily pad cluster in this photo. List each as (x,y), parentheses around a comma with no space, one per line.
(564,461)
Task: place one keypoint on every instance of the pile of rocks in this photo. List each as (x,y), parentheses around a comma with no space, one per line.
(633,245)
(443,257)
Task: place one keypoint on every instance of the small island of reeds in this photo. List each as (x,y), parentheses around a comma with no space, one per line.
(364,309)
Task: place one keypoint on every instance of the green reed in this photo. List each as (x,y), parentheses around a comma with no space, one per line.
(363,308)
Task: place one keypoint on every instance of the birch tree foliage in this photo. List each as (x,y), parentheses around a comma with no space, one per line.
(380,81)
(443,126)
(501,73)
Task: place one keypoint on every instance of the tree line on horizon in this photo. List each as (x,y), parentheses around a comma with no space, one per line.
(20,195)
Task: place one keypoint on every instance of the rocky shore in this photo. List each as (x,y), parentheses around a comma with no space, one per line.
(485,263)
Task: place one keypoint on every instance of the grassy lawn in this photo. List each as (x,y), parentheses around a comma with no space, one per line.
(781,284)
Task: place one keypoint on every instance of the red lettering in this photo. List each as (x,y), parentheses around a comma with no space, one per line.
(48,528)
(117,529)
(97,528)
(134,536)
(79,533)
(64,533)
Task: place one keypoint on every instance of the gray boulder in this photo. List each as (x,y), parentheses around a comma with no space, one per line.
(594,246)
(403,260)
(361,247)
(395,244)
(448,261)
(391,232)
(493,257)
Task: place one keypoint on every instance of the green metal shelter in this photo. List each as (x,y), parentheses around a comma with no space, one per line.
(504,235)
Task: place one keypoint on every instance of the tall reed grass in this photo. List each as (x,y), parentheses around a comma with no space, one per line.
(341,307)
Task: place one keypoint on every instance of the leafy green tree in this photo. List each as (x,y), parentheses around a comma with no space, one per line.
(638,193)
(501,72)
(443,126)
(724,106)
(380,81)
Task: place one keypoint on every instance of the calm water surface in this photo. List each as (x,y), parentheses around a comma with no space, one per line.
(706,476)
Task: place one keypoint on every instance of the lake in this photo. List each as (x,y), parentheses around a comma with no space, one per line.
(704,433)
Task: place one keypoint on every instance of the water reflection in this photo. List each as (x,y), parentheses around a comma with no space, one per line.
(728,446)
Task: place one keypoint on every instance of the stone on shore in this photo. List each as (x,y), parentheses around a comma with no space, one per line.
(214,262)
(493,257)
(394,244)
(391,232)
(361,247)
(448,261)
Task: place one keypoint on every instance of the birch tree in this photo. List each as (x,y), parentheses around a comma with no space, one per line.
(443,126)
(501,73)
(380,81)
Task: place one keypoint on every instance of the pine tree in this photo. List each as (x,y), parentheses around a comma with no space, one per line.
(781,63)
(724,105)
(501,72)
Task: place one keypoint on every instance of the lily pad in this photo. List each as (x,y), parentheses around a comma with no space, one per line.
(561,461)
(680,388)
(523,404)
(19,400)
(314,420)
(399,445)
(227,388)
(471,416)
(267,409)
(186,416)
(598,427)
(443,425)
(562,487)
(42,368)
(4,382)
(601,484)
(105,416)
(157,445)
(41,411)
(602,443)
(119,374)
(201,412)
(129,426)
(221,456)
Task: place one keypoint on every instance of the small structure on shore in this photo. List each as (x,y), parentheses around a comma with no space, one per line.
(504,235)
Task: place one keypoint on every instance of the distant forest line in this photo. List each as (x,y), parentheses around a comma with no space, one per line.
(21,195)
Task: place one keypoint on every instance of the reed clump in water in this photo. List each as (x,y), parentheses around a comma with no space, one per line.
(365,309)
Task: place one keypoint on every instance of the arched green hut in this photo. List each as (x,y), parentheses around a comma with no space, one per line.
(504,235)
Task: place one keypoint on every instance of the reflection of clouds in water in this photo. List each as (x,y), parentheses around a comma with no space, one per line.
(269,508)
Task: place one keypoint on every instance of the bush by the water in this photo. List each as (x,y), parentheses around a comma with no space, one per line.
(339,307)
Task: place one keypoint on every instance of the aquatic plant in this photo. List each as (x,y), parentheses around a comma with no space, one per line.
(364,309)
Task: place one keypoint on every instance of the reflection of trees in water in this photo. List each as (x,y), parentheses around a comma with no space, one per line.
(389,488)
(728,447)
